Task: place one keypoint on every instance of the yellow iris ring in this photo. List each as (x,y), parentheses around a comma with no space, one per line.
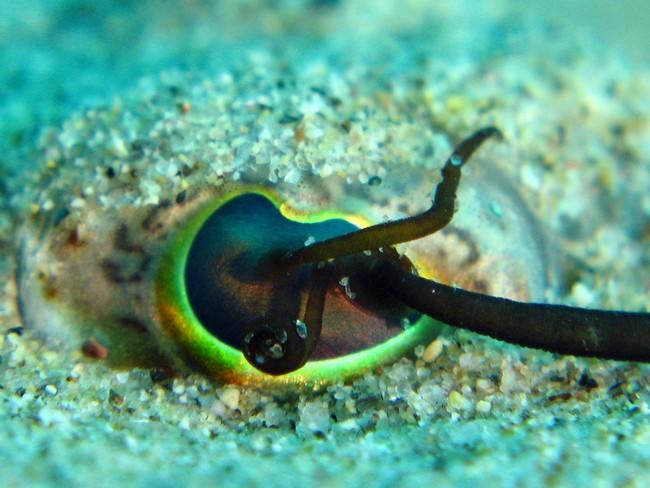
(220,360)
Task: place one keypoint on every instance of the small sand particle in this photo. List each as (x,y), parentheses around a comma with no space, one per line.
(230,398)
(483,384)
(456,401)
(49,416)
(122,377)
(483,406)
(582,295)
(178,387)
(131,443)
(432,351)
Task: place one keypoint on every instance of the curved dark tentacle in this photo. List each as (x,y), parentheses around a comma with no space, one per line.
(403,230)
(313,317)
(279,344)
(554,328)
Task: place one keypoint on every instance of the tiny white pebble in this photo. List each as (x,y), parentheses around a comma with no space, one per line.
(49,416)
(51,390)
(292,177)
(131,443)
(122,378)
(118,147)
(77,203)
(230,398)
(218,408)
(582,295)
(178,388)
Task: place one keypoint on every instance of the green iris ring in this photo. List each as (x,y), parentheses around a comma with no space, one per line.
(201,349)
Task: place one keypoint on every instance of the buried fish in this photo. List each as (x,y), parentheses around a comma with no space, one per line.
(242,284)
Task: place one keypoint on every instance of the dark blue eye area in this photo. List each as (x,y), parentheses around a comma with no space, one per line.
(228,289)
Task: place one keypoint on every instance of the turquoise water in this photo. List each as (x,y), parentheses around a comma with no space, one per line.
(214,92)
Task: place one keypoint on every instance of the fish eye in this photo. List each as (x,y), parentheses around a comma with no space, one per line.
(129,283)
(208,289)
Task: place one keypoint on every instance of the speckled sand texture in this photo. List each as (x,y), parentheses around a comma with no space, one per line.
(301,91)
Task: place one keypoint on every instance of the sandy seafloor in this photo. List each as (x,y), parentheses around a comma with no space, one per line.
(227,85)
